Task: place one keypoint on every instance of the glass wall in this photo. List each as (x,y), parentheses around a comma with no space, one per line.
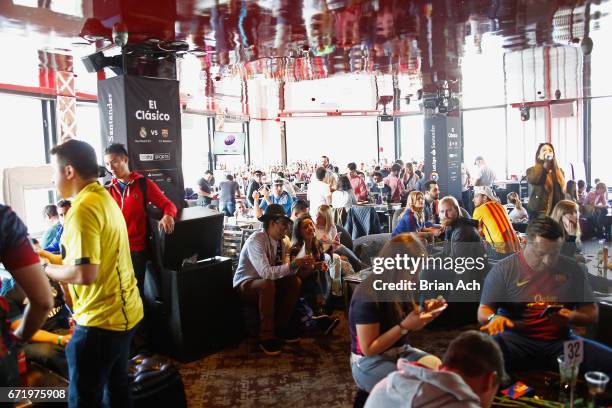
(195,148)
(600,140)
(344,140)
(22,132)
(412,138)
(484,134)
(88,127)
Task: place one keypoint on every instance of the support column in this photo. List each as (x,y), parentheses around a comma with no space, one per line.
(586,97)
(443,151)
(56,73)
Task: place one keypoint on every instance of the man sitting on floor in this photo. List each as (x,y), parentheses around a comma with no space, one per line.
(265,278)
(471,372)
(517,296)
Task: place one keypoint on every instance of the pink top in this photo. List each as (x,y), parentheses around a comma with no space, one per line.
(595,199)
(359,187)
(397,188)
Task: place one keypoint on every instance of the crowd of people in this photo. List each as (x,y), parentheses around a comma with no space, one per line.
(94,251)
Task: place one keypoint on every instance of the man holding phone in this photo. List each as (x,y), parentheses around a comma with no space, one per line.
(278,196)
(531,299)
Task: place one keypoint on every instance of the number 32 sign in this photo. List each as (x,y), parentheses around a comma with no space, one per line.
(573,352)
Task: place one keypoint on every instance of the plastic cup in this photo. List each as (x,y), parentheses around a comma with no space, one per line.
(567,372)
(596,382)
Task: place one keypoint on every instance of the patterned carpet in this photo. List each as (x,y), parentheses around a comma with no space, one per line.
(314,373)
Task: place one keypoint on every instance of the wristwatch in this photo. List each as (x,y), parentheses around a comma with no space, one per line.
(403,331)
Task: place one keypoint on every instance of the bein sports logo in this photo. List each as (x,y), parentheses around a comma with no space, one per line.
(229,140)
(154,156)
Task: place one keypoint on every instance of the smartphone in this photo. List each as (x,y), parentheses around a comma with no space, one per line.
(550,309)
(437,310)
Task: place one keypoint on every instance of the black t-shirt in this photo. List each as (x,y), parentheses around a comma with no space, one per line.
(253,186)
(57,317)
(205,187)
(364,310)
(522,294)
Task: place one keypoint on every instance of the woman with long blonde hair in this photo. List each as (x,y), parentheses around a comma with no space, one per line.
(518,213)
(567,213)
(413,217)
(328,235)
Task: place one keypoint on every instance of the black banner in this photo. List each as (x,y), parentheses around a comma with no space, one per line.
(443,152)
(144,114)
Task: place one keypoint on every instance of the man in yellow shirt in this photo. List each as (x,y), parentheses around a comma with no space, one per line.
(96,264)
(494,224)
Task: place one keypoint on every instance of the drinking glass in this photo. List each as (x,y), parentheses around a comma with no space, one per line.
(567,372)
(596,382)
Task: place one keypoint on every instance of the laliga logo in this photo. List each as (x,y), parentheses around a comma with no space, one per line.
(229,140)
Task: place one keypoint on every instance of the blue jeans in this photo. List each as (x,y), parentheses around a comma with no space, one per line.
(524,353)
(98,368)
(368,371)
(228,208)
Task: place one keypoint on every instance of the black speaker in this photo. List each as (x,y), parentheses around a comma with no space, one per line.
(97,62)
(196,311)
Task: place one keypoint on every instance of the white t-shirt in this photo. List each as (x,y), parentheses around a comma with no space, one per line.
(486,176)
(317,194)
(343,199)
(517,215)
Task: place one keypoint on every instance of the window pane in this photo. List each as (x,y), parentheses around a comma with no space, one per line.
(412,138)
(484,134)
(22,131)
(194,134)
(600,140)
(344,140)
(482,71)
(524,138)
(35,200)
(88,126)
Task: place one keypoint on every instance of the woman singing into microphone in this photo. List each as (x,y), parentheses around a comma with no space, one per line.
(546,180)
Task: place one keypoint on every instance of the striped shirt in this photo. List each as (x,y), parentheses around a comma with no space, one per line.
(496,228)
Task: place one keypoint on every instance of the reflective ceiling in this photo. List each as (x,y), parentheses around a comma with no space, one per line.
(303,39)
